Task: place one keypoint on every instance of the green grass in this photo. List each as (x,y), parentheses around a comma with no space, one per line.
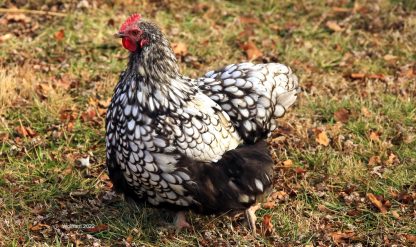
(43,187)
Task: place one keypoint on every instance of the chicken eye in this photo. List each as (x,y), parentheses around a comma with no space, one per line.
(134,32)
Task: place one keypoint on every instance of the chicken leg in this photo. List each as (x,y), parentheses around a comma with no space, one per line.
(251,217)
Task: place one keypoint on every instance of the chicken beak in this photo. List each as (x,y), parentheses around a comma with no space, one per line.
(120,35)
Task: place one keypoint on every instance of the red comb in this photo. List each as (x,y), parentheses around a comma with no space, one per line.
(133,18)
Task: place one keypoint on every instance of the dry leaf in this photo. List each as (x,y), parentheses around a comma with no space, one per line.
(288,163)
(269,205)
(129,239)
(104,177)
(365,112)
(342,115)
(25,131)
(4,136)
(408,71)
(179,49)
(392,159)
(375,136)
(395,214)
(300,170)
(390,58)
(323,208)
(248,20)
(376,76)
(68,115)
(104,103)
(70,126)
(322,138)
(60,35)
(374,160)
(18,18)
(280,195)
(333,25)
(376,202)
(89,115)
(410,237)
(251,50)
(341,10)
(38,227)
(67,170)
(97,228)
(267,225)
(340,237)
(357,76)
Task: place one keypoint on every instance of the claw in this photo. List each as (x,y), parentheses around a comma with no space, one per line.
(251,217)
(180,221)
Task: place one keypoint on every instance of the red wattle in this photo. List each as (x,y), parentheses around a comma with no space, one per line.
(129,44)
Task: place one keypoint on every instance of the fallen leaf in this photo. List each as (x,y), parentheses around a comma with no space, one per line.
(341,10)
(288,163)
(97,228)
(129,239)
(251,50)
(89,115)
(376,76)
(279,195)
(376,202)
(65,82)
(408,71)
(102,112)
(104,177)
(353,212)
(248,20)
(25,131)
(357,76)
(70,126)
(267,226)
(111,22)
(18,18)
(374,136)
(269,205)
(342,115)
(43,90)
(60,35)
(322,138)
(365,112)
(374,160)
(377,170)
(323,208)
(67,170)
(38,227)
(104,103)
(340,237)
(4,136)
(300,170)
(395,214)
(68,115)
(390,58)
(392,159)
(410,237)
(333,25)
(406,198)
(179,49)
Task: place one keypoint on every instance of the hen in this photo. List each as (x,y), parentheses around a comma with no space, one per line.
(197,144)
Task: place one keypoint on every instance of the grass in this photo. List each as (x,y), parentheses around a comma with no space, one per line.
(56,90)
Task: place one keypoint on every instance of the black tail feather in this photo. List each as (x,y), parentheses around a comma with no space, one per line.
(235,181)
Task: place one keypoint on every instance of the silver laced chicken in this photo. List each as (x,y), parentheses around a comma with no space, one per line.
(192,144)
